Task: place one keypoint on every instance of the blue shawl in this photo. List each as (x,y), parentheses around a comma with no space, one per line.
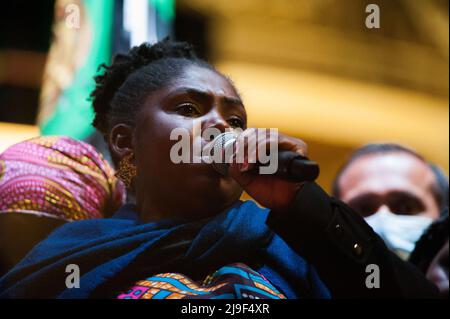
(115,252)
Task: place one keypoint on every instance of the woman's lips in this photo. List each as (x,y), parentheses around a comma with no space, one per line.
(202,155)
(200,160)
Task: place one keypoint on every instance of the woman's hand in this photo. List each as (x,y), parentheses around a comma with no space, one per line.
(268,190)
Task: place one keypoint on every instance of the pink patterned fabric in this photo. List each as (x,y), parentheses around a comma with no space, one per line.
(58,177)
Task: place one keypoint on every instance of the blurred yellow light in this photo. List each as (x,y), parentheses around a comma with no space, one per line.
(13,133)
(339,111)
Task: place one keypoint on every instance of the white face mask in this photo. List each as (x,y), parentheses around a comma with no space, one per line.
(399,232)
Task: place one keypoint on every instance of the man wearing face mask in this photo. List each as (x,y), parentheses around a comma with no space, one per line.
(400,191)
(397,192)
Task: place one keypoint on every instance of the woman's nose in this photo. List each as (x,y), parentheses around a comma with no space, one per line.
(216,121)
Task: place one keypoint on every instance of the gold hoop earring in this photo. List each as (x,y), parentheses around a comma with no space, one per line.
(127,171)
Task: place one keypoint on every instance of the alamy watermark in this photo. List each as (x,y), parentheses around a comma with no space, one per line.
(373,279)
(73,279)
(189,149)
(373,18)
(72,18)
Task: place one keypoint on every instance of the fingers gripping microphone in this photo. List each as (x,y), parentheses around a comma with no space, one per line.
(291,165)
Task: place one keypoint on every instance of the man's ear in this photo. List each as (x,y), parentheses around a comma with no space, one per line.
(121,141)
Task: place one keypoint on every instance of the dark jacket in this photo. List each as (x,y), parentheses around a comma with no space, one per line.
(340,244)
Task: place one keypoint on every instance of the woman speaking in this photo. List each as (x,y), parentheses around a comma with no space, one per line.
(187,234)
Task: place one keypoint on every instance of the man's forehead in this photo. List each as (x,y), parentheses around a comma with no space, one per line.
(386,170)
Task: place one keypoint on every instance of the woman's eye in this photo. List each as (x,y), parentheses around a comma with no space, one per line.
(188,109)
(236,122)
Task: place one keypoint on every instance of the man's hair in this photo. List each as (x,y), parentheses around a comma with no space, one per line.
(440,188)
(430,243)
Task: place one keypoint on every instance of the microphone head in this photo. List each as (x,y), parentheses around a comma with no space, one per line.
(222,148)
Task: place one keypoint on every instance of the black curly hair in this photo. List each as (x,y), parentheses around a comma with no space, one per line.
(123,85)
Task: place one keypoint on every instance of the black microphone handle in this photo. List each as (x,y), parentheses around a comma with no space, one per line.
(296,168)
(292,166)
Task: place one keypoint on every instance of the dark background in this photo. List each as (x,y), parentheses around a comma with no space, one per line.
(25,37)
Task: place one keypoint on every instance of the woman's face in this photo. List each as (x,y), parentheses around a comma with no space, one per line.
(185,190)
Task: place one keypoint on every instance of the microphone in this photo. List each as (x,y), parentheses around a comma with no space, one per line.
(291,165)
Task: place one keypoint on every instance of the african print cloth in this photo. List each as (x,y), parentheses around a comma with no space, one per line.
(58,177)
(234,281)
